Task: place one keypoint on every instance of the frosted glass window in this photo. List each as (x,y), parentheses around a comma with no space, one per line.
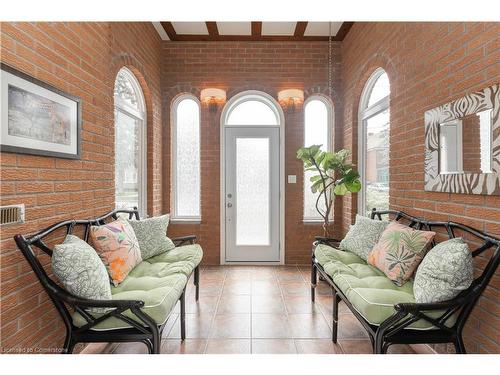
(252,191)
(374,144)
(316,132)
(380,90)
(130,148)
(252,112)
(186,159)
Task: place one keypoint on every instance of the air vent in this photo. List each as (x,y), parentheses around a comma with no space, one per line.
(12,214)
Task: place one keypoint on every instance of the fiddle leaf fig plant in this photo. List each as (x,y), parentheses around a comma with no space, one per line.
(331,175)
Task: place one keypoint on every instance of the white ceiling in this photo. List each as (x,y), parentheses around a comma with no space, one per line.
(272,29)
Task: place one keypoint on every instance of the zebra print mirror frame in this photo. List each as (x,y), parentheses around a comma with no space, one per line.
(465,183)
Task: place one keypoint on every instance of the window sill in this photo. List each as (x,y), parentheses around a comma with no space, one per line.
(193,221)
(312,221)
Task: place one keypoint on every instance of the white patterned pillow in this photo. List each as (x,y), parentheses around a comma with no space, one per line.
(152,235)
(80,270)
(362,236)
(445,271)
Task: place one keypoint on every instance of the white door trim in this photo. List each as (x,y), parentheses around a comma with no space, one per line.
(222,199)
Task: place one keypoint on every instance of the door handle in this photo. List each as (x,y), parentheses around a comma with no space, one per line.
(229,205)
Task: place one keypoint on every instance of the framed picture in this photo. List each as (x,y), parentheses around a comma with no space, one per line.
(36,118)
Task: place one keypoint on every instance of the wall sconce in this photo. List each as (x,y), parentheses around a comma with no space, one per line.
(290,97)
(212,97)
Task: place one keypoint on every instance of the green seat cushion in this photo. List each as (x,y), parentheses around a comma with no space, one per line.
(159,293)
(367,288)
(326,254)
(187,257)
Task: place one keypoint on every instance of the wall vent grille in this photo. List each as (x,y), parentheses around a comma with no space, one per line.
(12,214)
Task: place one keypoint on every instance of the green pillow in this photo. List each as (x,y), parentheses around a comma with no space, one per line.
(445,271)
(80,270)
(152,235)
(362,236)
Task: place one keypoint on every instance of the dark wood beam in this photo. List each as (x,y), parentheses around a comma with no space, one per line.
(256,28)
(300,29)
(213,31)
(169,29)
(344,29)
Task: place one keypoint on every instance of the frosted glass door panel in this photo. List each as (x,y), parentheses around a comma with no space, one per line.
(252,177)
(252,191)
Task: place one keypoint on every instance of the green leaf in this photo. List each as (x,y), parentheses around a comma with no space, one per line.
(353,186)
(340,189)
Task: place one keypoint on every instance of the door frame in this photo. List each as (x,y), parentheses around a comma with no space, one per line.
(222,169)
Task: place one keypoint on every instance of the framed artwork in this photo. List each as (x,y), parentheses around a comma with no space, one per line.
(462,144)
(36,118)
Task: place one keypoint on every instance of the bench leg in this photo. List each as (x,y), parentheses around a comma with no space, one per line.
(335,320)
(69,344)
(314,280)
(197,282)
(156,342)
(459,345)
(183,315)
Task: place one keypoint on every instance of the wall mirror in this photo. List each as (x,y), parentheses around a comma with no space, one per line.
(462,145)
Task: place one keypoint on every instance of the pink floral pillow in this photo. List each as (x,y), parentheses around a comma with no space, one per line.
(118,248)
(399,251)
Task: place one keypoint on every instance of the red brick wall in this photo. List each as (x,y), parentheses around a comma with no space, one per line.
(428,64)
(81,59)
(235,67)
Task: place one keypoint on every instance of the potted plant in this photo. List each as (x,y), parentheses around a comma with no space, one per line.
(332,176)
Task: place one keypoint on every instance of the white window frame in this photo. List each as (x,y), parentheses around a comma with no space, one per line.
(173,116)
(329,147)
(365,113)
(139,114)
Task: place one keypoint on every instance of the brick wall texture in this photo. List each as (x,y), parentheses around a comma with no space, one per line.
(427,64)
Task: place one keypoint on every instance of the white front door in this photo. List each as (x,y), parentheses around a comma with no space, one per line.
(252,194)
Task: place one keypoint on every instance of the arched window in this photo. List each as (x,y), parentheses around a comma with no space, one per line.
(373,136)
(317,131)
(130,142)
(186,158)
(252,109)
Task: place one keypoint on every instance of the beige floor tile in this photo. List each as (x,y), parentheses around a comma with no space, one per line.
(268,304)
(350,328)
(197,326)
(131,348)
(237,287)
(188,346)
(205,305)
(265,287)
(317,346)
(356,346)
(301,305)
(234,304)
(273,346)
(270,326)
(308,326)
(228,346)
(231,326)
(295,289)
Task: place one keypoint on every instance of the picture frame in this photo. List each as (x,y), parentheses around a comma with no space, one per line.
(37,118)
(462,180)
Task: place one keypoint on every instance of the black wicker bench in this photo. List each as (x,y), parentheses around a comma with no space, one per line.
(447,318)
(142,328)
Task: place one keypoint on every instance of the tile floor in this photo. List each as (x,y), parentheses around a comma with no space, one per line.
(261,310)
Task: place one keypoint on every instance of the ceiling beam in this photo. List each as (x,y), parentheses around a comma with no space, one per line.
(300,29)
(344,29)
(256,28)
(213,31)
(169,29)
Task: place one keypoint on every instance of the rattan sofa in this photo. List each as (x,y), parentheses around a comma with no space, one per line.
(139,309)
(389,313)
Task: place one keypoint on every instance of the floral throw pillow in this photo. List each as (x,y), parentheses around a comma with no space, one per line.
(362,236)
(82,273)
(445,271)
(152,235)
(399,251)
(118,248)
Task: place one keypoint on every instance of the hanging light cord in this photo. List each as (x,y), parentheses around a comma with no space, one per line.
(330,59)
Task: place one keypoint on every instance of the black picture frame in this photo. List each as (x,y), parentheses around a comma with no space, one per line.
(36,151)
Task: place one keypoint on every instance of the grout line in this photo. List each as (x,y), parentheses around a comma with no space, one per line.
(216,309)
